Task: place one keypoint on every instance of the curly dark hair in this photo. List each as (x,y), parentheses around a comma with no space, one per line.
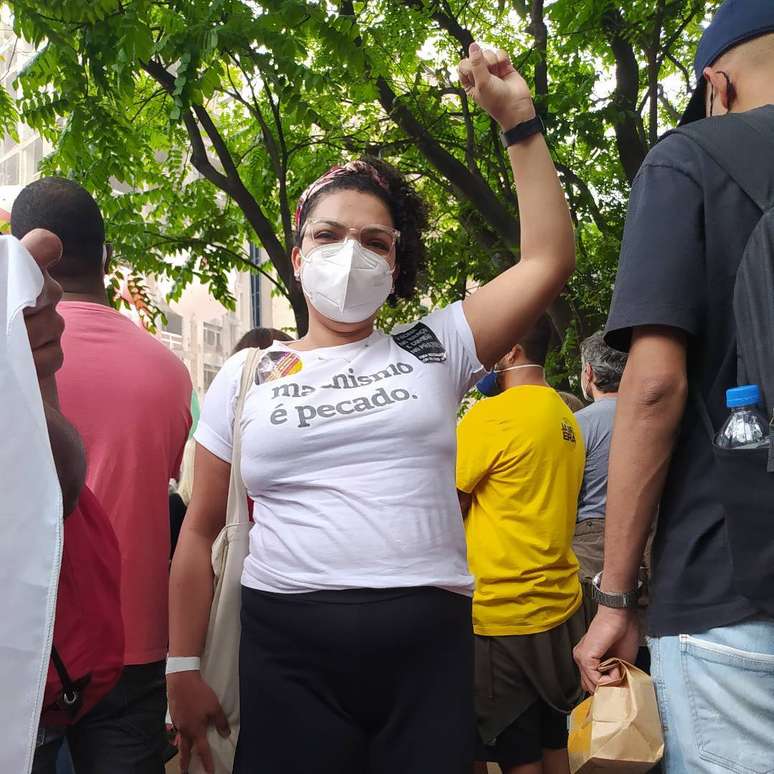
(409,216)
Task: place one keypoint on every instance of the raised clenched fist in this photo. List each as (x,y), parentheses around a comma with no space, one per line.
(493,82)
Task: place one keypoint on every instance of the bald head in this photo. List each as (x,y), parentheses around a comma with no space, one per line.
(742,78)
(755,54)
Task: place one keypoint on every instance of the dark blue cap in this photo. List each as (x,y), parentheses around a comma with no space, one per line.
(735,22)
(747,395)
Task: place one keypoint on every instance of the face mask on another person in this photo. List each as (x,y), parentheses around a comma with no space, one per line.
(490,386)
(345,282)
(584,385)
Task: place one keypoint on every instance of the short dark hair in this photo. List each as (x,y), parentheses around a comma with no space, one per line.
(537,341)
(260,338)
(408,212)
(69,211)
(608,364)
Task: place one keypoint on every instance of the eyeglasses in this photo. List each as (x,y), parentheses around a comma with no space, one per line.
(379,239)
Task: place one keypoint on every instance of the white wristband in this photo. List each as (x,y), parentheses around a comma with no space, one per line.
(183,664)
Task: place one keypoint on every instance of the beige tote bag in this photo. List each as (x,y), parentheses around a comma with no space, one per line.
(220,659)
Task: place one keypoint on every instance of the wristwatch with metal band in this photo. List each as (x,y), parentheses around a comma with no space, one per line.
(623,600)
(521,131)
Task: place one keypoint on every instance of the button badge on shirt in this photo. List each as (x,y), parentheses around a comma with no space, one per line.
(276,365)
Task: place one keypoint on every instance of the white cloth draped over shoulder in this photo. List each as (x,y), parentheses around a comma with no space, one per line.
(30,519)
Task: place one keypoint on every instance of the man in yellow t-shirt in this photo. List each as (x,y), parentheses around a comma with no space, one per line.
(520,468)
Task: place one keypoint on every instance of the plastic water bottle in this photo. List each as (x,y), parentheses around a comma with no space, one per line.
(746,427)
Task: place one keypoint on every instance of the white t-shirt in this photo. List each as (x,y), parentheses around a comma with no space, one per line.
(350,458)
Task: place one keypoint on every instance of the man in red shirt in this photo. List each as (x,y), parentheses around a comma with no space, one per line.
(129,398)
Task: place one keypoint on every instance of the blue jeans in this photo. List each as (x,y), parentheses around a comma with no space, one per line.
(716,698)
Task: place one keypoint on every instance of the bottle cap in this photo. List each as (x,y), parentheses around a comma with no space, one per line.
(748,395)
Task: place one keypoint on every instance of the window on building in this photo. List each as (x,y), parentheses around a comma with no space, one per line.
(36,155)
(172,342)
(212,335)
(255,299)
(9,170)
(255,288)
(8,83)
(31,156)
(25,132)
(174,324)
(210,372)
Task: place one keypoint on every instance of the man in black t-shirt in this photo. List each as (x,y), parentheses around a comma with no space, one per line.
(688,223)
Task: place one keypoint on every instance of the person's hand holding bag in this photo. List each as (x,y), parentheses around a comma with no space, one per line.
(493,82)
(193,707)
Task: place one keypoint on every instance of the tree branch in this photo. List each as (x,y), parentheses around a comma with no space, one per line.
(185,242)
(470,135)
(467,185)
(199,158)
(231,183)
(675,36)
(573,180)
(445,21)
(286,212)
(654,67)
(623,104)
(672,111)
(539,31)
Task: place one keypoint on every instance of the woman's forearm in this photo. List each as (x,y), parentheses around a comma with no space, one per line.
(190,594)
(502,311)
(191,579)
(546,226)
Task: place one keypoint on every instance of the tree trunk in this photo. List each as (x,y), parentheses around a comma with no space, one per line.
(300,310)
(539,32)
(624,116)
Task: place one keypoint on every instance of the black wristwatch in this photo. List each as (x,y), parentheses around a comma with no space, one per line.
(625,600)
(521,131)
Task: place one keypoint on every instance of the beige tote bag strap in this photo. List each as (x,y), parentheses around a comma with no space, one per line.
(236,512)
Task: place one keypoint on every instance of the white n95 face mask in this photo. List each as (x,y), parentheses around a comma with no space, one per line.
(344,281)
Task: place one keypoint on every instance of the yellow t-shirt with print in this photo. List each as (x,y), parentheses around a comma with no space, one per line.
(521,456)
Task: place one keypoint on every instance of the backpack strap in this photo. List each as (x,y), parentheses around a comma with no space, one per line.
(237,495)
(742,144)
(70,698)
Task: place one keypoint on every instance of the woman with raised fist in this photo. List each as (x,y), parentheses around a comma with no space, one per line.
(357,648)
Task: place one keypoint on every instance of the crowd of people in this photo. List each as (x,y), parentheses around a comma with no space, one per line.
(422,594)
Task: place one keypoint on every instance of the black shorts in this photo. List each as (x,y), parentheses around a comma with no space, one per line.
(356,682)
(538,728)
(526,685)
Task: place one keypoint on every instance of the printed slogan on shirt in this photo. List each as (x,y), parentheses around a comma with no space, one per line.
(306,414)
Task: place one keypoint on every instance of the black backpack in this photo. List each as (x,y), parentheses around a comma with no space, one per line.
(742,144)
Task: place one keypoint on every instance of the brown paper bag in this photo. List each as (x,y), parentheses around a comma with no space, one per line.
(618,728)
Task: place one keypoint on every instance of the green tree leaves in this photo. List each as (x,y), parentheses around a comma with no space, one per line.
(199,122)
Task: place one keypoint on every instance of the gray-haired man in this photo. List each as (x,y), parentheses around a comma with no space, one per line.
(603,368)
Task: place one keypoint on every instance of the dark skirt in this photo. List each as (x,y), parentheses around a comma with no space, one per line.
(356,682)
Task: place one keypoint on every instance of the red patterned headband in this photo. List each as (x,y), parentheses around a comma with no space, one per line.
(352,168)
